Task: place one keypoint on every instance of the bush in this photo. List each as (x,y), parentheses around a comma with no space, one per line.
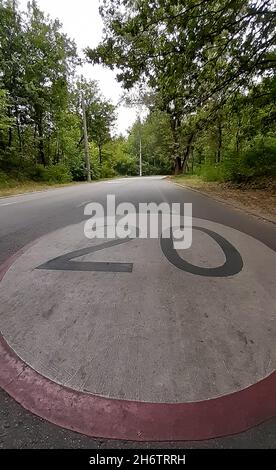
(10,179)
(52,174)
(127,166)
(257,160)
(57,174)
(77,169)
(4,181)
(210,172)
(107,172)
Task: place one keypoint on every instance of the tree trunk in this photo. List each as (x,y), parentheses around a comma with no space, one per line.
(100,154)
(178,167)
(10,136)
(57,155)
(85,138)
(41,153)
(187,152)
(19,134)
(10,129)
(219,141)
(238,135)
(175,123)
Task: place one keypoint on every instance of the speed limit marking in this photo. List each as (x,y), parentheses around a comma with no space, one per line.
(171,327)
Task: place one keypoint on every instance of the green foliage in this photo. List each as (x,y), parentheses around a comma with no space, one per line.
(53,174)
(127,166)
(118,159)
(209,172)
(4,180)
(202,61)
(107,171)
(241,146)
(258,159)
(173,43)
(100,115)
(157,143)
(76,166)
(41,126)
(5,121)
(207,68)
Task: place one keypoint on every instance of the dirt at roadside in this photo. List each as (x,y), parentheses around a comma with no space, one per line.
(258,198)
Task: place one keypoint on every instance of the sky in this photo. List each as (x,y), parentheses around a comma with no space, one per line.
(82,22)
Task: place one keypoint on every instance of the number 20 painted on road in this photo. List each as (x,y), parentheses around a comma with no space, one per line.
(233,260)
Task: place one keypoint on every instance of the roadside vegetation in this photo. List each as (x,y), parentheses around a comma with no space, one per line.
(41,122)
(205,72)
(209,68)
(257,198)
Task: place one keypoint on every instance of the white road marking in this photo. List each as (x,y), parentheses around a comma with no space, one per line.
(18,202)
(118,182)
(8,204)
(31,197)
(83,204)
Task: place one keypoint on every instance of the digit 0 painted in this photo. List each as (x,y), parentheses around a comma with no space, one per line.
(233,260)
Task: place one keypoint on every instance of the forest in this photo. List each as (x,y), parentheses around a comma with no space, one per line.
(204,70)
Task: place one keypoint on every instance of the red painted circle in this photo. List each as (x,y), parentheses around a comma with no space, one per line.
(129,420)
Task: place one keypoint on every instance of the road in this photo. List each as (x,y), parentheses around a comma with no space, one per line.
(171,335)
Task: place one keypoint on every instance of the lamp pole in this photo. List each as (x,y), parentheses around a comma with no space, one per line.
(86,146)
(140,145)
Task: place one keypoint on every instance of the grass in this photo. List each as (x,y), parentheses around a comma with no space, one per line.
(29,187)
(11,186)
(191,180)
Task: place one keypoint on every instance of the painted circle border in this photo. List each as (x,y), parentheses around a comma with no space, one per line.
(97,416)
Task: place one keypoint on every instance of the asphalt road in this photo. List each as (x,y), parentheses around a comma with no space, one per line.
(25,218)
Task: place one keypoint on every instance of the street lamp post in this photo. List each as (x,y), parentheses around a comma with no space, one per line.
(86,145)
(141,169)
(140,148)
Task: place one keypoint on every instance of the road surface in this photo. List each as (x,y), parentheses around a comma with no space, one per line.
(187,333)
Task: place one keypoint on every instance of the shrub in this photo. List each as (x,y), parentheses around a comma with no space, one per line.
(57,174)
(107,172)
(127,166)
(77,169)
(256,160)
(52,174)
(4,182)
(210,172)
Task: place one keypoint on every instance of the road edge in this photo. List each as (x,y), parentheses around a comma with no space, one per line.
(223,201)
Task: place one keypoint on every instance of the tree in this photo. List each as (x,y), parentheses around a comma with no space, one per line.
(12,57)
(41,127)
(157,143)
(101,120)
(100,114)
(5,121)
(51,55)
(194,54)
